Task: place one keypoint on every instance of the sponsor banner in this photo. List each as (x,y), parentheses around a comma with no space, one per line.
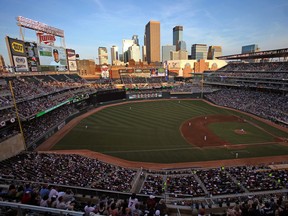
(72,65)
(161,72)
(32,56)
(145,95)
(50,55)
(105,72)
(157,72)
(61,125)
(71,55)
(122,71)
(53,108)
(16,46)
(146,71)
(20,63)
(154,72)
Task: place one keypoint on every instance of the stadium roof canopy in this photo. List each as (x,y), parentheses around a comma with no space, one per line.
(278,53)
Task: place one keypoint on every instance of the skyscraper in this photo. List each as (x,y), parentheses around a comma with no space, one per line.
(214,51)
(114,54)
(126,43)
(166,52)
(103,55)
(134,53)
(177,35)
(199,51)
(135,39)
(181,45)
(144,56)
(152,41)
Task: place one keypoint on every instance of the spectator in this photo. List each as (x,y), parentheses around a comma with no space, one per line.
(132,202)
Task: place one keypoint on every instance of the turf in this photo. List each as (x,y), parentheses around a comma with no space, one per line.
(149,132)
(252,134)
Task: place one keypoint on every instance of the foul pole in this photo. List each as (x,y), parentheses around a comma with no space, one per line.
(17,114)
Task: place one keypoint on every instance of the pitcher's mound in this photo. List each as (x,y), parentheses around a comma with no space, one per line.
(240,131)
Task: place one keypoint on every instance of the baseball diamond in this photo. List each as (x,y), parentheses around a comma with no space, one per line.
(133,134)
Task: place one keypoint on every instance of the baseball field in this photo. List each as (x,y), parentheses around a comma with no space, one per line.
(173,131)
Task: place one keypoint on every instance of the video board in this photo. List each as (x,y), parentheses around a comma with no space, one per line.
(52,56)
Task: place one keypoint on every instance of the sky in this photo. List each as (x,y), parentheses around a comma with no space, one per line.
(89,24)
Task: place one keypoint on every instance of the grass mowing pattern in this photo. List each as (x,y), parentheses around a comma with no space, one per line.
(149,132)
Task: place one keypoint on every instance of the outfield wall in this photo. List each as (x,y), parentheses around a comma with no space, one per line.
(11,147)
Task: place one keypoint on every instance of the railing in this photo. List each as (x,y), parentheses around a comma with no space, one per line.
(22,208)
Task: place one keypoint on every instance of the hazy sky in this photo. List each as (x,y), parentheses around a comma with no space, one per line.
(89,24)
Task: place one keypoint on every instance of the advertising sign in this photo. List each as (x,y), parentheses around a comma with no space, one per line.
(71,58)
(104,72)
(161,72)
(157,72)
(72,65)
(71,55)
(32,56)
(153,72)
(17,54)
(16,46)
(20,63)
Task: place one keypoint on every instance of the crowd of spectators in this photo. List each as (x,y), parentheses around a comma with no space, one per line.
(61,170)
(256,179)
(184,184)
(262,66)
(272,106)
(71,170)
(39,126)
(52,196)
(34,94)
(221,76)
(153,185)
(217,181)
(191,88)
(76,170)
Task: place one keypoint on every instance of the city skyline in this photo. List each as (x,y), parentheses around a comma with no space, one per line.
(96,23)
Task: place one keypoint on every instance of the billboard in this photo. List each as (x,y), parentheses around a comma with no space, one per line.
(72,65)
(157,72)
(104,72)
(20,63)
(71,58)
(71,55)
(52,56)
(32,56)
(161,72)
(153,72)
(17,54)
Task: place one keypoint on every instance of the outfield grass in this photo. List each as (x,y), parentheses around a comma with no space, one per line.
(149,132)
